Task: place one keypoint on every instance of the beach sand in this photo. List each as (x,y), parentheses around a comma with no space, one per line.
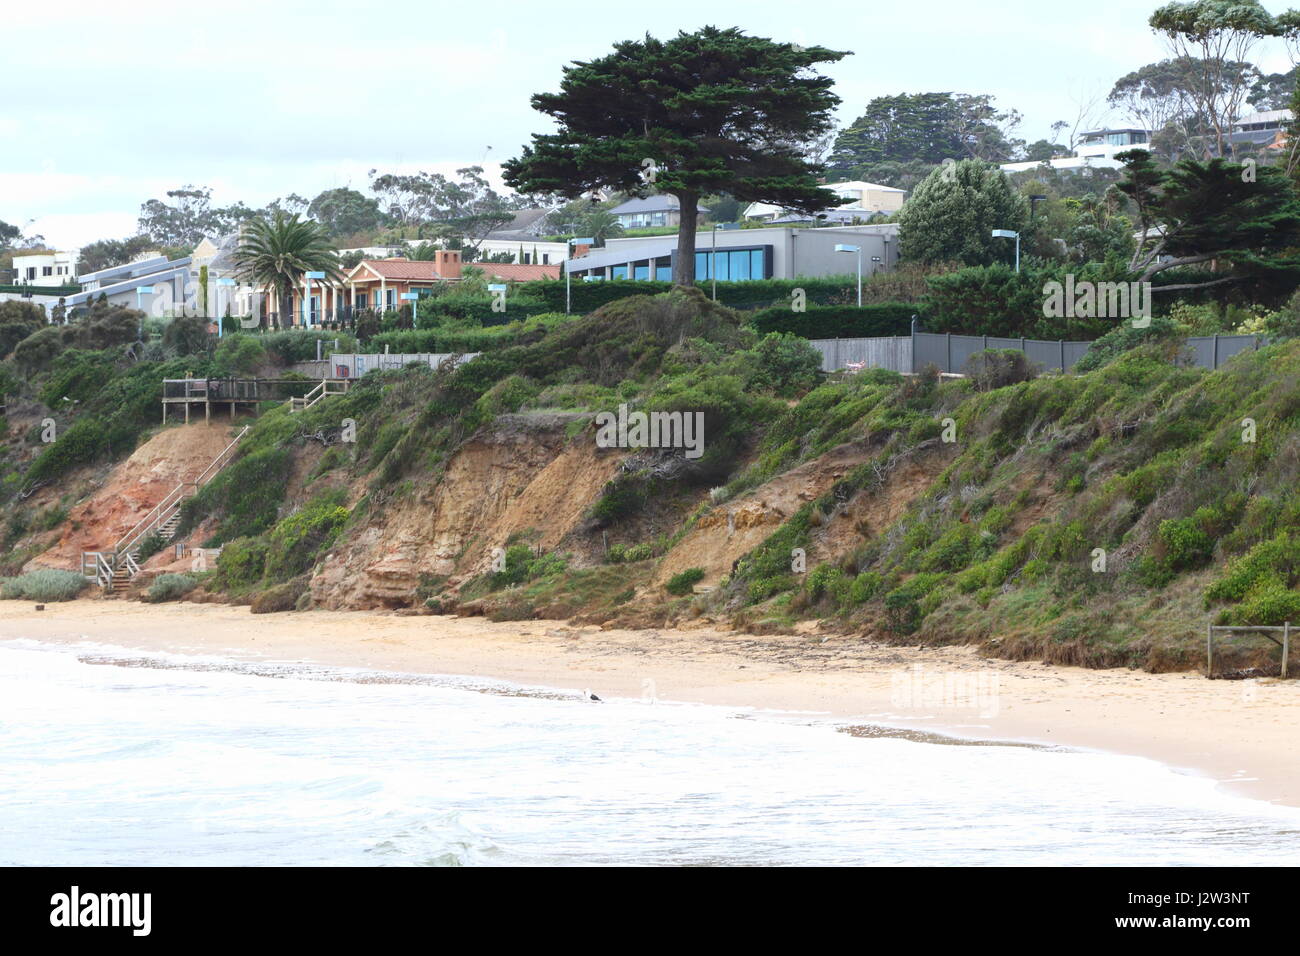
(1243,734)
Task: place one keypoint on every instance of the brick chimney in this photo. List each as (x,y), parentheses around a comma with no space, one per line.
(447,262)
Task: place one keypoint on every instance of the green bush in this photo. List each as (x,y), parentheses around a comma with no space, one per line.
(170,587)
(783,364)
(295,543)
(521,565)
(242,563)
(998,368)
(45,584)
(684,582)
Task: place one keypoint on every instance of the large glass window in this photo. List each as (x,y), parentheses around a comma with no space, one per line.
(735,265)
(641,270)
(618,272)
(664,273)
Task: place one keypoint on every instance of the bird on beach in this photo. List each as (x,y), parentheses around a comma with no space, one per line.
(588,695)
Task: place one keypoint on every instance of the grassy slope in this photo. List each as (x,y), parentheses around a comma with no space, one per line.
(1141,458)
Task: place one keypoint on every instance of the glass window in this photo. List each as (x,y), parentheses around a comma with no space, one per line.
(702,265)
(641,270)
(757,267)
(361,300)
(664,273)
(619,272)
(739,263)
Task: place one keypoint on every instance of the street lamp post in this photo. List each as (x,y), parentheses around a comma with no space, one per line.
(1010,234)
(568,272)
(841,247)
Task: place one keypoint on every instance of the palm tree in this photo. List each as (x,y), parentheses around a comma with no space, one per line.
(275,254)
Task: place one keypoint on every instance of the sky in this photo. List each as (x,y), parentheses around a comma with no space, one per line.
(109,105)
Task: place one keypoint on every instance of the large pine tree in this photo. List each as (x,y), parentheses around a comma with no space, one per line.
(712,111)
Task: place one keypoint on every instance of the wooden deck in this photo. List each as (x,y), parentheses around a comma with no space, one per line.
(232,393)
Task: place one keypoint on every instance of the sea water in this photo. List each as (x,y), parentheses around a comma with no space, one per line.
(111,757)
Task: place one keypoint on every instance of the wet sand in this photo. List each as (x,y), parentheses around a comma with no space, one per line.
(1243,734)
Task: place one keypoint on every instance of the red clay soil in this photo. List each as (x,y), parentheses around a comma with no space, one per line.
(133,489)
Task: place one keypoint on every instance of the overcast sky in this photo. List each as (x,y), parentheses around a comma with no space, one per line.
(107,105)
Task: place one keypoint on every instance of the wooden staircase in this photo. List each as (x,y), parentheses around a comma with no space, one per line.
(114,570)
(327,387)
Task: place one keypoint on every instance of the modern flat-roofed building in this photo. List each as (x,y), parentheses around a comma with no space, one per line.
(777,252)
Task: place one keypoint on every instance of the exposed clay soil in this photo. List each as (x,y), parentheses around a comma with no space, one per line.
(134,488)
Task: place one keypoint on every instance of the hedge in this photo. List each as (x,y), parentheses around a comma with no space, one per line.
(839,321)
(747,295)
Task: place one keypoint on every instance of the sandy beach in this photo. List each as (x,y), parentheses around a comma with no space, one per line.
(1240,733)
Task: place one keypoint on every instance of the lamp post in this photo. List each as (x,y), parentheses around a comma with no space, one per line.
(568,272)
(1009,234)
(306,299)
(841,247)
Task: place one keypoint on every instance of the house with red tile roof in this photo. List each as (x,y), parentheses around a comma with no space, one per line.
(380,284)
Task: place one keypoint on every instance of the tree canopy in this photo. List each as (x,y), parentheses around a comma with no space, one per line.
(926,128)
(953,212)
(696,114)
(1244,220)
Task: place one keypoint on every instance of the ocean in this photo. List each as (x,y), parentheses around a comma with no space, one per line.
(113,757)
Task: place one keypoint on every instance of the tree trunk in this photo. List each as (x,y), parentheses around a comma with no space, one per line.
(286,310)
(684,266)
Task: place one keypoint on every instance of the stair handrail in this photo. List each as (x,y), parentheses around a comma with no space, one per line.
(173,497)
(204,477)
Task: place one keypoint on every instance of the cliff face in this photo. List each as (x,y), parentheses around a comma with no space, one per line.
(522,475)
(132,490)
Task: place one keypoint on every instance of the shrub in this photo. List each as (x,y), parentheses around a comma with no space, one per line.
(170,587)
(150,545)
(998,368)
(282,597)
(295,542)
(242,563)
(784,364)
(684,582)
(45,584)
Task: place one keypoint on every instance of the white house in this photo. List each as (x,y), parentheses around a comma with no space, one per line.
(46,268)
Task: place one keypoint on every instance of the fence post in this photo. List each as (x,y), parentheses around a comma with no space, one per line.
(1286,646)
(1061,345)
(913,336)
(836,363)
(948,358)
(1209,650)
(986,343)
(1215,359)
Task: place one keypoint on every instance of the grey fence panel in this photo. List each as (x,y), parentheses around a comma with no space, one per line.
(929,348)
(1202,349)
(357,364)
(1046,354)
(891,352)
(1075,351)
